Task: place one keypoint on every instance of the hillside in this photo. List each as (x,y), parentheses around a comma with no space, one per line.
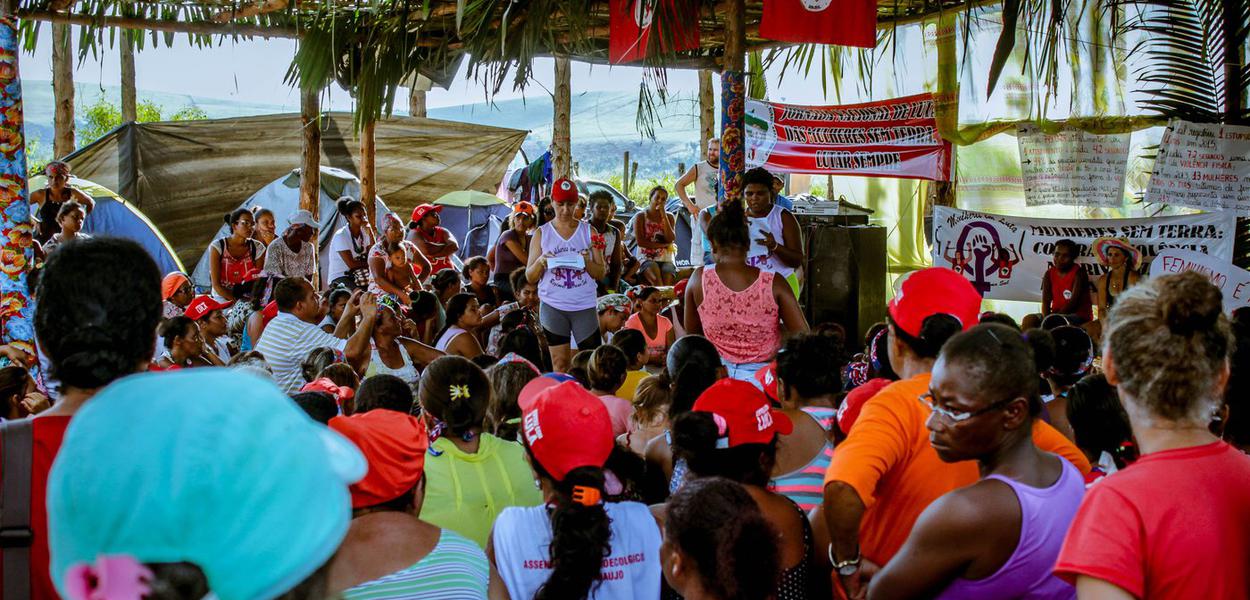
(603,123)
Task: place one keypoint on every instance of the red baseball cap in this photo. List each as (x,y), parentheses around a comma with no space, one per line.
(269,312)
(564,190)
(932,291)
(201,305)
(743,413)
(565,428)
(419,212)
(538,385)
(394,445)
(324,385)
(854,402)
(768,380)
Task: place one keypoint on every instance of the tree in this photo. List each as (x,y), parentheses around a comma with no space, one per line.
(102,116)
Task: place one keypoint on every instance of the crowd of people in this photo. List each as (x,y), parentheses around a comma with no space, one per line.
(560,419)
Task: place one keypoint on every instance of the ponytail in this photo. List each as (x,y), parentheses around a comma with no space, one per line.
(934,331)
(728,227)
(348,205)
(581,534)
(695,436)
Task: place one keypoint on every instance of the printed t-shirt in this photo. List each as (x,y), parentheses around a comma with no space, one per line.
(465,492)
(47,433)
(286,341)
(630,387)
(343,240)
(897,474)
(522,539)
(1174,524)
(456,569)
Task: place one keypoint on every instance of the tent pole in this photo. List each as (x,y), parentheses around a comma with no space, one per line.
(310,170)
(63,89)
(561,155)
(368,184)
(733,98)
(17,311)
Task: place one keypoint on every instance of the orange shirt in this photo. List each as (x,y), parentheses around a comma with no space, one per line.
(897,474)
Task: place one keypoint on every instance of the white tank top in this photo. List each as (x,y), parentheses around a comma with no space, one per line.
(706,184)
(566,288)
(448,336)
(758,256)
(407,372)
(523,535)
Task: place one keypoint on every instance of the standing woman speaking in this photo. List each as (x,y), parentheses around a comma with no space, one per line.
(565,266)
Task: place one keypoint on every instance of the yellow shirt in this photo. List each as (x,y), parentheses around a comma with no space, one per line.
(632,379)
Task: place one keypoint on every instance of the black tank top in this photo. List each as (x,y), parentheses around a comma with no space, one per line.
(47,214)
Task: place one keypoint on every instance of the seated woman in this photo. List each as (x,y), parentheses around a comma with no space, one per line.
(394,353)
(653,232)
(511,251)
(656,328)
(236,258)
(476,271)
(575,543)
(459,335)
(473,474)
(348,264)
(266,230)
(389,551)
(184,346)
(293,254)
(392,275)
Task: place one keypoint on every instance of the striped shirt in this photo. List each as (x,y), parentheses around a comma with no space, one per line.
(286,341)
(455,570)
(806,486)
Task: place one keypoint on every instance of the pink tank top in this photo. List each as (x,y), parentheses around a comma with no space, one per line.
(744,326)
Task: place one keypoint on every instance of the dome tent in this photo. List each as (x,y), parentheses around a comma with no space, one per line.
(114,216)
(475,218)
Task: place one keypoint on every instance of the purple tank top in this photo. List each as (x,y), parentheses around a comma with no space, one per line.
(565,288)
(1045,515)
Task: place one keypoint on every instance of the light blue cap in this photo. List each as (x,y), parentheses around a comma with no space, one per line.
(209,466)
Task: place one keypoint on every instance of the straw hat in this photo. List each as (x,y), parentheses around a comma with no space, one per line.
(1103,243)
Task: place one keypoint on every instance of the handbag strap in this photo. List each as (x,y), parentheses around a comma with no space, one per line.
(16,534)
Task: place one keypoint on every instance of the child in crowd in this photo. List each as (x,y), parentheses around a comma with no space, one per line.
(634,344)
(606,372)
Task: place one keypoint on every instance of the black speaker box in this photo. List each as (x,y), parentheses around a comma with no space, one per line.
(846,276)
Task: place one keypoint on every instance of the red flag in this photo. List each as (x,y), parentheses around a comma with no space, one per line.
(632,21)
(837,22)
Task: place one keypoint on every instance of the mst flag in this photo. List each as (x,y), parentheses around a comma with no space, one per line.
(633,21)
(837,22)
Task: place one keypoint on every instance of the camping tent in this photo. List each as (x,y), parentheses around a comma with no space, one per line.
(184,175)
(475,218)
(282,197)
(114,216)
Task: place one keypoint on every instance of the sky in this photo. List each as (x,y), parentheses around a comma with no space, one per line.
(253,70)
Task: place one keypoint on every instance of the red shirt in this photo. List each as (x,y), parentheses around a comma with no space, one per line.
(1062,286)
(1174,524)
(47,433)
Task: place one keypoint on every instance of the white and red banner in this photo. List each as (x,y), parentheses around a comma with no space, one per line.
(1006,257)
(1233,281)
(632,22)
(890,138)
(836,22)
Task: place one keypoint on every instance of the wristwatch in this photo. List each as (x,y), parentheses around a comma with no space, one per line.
(845,568)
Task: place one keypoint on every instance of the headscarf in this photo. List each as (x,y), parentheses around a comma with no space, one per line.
(171,283)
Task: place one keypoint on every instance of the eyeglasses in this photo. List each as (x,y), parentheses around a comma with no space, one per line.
(929,400)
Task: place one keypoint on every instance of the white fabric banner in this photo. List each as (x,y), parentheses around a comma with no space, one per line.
(1232,280)
(1072,167)
(1006,257)
(1203,165)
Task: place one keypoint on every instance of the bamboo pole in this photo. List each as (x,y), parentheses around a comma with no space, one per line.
(63,90)
(18,309)
(130,108)
(368,180)
(561,155)
(733,98)
(707,109)
(1234,61)
(310,171)
(201,27)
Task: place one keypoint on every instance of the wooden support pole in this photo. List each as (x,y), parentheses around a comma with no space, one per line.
(130,107)
(733,99)
(310,169)
(681,169)
(625,175)
(204,27)
(62,90)
(368,179)
(416,103)
(561,152)
(707,110)
(17,312)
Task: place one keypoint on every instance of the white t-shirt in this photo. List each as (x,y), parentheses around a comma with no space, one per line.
(342,240)
(286,341)
(632,571)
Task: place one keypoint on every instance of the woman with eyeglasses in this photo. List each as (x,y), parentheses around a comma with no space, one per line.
(999,537)
(565,265)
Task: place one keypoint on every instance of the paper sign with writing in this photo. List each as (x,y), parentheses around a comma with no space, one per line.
(1006,257)
(1203,165)
(1233,281)
(1072,167)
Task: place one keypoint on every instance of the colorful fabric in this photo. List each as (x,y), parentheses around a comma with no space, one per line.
(455,570)
(732,142)
(744,326)
(806,485)
(280,261)
(631,22)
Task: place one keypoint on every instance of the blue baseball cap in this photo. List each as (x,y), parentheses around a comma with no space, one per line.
(208,466)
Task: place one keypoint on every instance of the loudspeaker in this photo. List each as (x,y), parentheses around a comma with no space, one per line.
(846,276)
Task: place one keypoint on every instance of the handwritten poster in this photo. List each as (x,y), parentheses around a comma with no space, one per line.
(1203,165)
(1072,167)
